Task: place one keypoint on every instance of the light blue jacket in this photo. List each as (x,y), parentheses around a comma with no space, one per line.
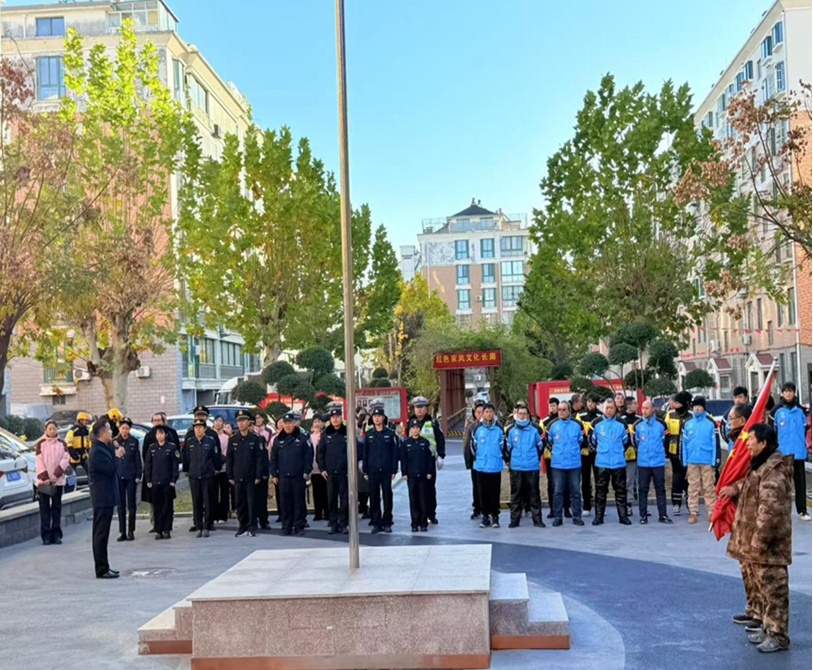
(610,438)
(488,441)
(790,429)
(565,439)
(524,445)
(700,441)
(651,437)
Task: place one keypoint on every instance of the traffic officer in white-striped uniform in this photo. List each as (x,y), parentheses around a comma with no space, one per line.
(430,430)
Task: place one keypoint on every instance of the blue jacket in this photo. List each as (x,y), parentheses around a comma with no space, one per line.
(488,443)
(610,438)
(565,439)
(524,447)
(790,429)
(651,437)
(700,441)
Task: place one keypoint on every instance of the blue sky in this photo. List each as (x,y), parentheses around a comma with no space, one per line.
(454,99)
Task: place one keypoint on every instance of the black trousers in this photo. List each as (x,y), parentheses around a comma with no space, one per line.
(588,465)
(551,489)
(51,515)
(203,497)
(337,502)
(432,511)
(680,485)
(618,476)
(658,477)
(319,488)
(381,490)
(244,504)
(163,499)
(127,503)
(800,484)
(525,486)
(488,484)
(292,492)
(223,496)
(102,518)
(475,493)
(419,498)
(261,502)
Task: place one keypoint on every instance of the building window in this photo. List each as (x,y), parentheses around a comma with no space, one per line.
(510,295)
(780,76)
(178,87)
(489,298)
(461,250)
(748,70)
(231,354)
(206,355)
(726,342)
(767,47)
(487,248)
(740,80)
(709,123)
(749,316)
(770,333)
(511,246)
(780,316)
(52,26)
(463,298)
(490,318)
(253,363)
(508,318)
(759,313)
(463,320)
(199,95)
(767,87)
(58,399)
(778,34)
(721,107)
(782,371)
(512,271)
(489,273)
(794,363)
(463,274)
(791,307)
(50,78)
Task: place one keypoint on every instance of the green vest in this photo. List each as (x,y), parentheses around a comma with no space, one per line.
(428,432)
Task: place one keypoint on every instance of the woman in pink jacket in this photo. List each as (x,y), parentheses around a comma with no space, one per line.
(52,461)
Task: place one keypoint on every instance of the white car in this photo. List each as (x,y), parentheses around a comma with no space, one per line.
(16,477)
(481,396)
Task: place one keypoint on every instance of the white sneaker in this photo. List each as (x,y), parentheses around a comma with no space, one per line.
(586,513)
(804,516)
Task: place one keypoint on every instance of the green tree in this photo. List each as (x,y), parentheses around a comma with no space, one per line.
(662,355)
(621,354)
(116,288)
(380,296)
(276,371)
(250,393)
(594,364)
(698,379)
(659,386)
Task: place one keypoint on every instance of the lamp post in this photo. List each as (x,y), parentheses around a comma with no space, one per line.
(347,272)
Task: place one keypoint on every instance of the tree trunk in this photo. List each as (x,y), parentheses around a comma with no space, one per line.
(5,343)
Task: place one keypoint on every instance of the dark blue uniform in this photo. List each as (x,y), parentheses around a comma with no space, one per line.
(128,473)
(202,462)
(244,468)
(161,470)
(291,460)
(417,465)
(381,452)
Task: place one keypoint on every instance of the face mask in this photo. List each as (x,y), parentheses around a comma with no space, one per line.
(522,422)
(698,415)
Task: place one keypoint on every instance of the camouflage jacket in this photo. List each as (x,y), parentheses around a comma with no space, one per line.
(762,529)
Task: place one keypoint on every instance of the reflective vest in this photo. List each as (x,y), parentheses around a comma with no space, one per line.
(428,433)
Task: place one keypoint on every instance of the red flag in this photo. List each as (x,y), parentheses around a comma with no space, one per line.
(737,464)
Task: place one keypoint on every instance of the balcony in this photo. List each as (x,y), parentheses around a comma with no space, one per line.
(206,371)
(59,374)
(229,371)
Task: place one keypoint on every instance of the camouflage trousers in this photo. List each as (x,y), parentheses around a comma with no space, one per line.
(701,480)
(767,596)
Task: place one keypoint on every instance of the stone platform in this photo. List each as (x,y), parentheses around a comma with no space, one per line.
(407,607)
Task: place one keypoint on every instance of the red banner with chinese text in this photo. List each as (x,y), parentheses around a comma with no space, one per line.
(467,359)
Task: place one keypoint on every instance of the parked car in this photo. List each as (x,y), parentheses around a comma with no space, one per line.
(16,476)
(481,396)
(228,412)
(182,423)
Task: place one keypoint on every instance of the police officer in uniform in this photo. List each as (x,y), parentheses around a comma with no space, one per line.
(201,413)
(291,465)
(244,470)
(158,419)
(417,467)
(160,475)
(261,489)
(201,462)
(431,432)
(381,451)
(78,441)
(128,475)
(331,458)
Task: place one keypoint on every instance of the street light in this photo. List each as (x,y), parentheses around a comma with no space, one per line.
(347,272)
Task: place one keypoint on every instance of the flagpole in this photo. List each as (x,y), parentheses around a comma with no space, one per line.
(347,272)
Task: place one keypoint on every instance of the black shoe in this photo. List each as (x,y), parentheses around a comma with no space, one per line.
(332,530)
(664,519)
(550,514)
(167,536)
(240,533)
(108,575)
(753,626)
(557,523)
(193,529)
(745,620)
(644,521)
(485,523)
(414,529)
(299,532)
(370,523)
(539,524)
(424,529)
(265,527)
(57,541)
(434,521)
(150,531)
(377,530)
(387,529)
(121,538)
(159,536)
(474,515)
(46,542)
(578,522)
(624,521)
(598,521)
(568,514)
(514,524)
(345,531)
(199,533)
(279,520)
(130,537)
(307,525)
(287,533)
(205,533)
(495,522)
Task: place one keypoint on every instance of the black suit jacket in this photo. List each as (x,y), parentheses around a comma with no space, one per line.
(102,474)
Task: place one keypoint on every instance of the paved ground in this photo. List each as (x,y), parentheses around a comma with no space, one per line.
(644,597)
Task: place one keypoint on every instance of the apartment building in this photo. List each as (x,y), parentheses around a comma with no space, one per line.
(196,369)
(477,261)
(739,351)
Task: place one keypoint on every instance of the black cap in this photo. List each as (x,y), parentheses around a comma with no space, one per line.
(416,423)
(290,416)
(699,400)
(126,420)
(244,414)
(199,422)
(333,411)
(201,409)
(378,411)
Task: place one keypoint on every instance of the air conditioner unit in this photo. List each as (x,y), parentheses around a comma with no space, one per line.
(143,372)
(81,376)
(746,339)
(216,130)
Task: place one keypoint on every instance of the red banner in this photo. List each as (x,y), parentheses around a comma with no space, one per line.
(467,359)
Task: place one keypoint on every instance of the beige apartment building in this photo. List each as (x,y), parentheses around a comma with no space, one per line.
(183,376)
(477,261)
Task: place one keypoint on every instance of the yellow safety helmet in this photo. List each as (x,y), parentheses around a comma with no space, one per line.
(115,414)
(84,416)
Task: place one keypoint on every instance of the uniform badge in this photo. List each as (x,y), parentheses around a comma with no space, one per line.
(177,453)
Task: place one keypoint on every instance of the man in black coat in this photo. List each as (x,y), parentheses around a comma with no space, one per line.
(103,494)
(331,458)
(201,457)
(129,475)
(290,467)
(244,470)
(158,419)
(381,452)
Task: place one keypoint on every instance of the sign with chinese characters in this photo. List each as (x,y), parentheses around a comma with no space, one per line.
(467,359)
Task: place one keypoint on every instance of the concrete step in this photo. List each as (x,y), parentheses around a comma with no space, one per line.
(548,617)
(183,620)
(161,634)
(508,603)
